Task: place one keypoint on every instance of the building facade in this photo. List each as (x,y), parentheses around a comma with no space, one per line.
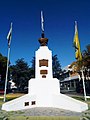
(72,80)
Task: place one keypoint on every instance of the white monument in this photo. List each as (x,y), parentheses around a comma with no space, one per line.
(44,90)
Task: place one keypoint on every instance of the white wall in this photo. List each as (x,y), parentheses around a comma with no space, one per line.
(19,103)
(44,86)
(43,53)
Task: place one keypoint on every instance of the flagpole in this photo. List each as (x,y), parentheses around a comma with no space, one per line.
(83,84)
(9,42)
(79,56)
(5,90)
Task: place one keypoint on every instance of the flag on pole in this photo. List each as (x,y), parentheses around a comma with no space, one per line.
(9,41)
(77,44)
(9,36)
(42,21)
(78,55)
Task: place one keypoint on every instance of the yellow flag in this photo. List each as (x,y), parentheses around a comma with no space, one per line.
(77,44)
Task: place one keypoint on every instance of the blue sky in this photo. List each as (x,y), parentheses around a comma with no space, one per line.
(59,16)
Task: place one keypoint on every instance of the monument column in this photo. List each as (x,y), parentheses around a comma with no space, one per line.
(43,56)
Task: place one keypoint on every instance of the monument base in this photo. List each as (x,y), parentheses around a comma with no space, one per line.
(56,101)
(44,93)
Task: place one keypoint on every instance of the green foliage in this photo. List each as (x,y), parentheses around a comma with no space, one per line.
(20,74)
(85,62)
(86,57)
(42,118)
(3,64)
(32,69)
(56,67)
(81,98)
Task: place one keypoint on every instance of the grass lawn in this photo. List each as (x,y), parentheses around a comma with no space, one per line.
(40,118)
(11,96)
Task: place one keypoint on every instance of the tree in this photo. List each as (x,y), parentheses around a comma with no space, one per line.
(56,67)
(84,65)
(85,62)
(20,74)
(3,64)
(86,57)
(32,69)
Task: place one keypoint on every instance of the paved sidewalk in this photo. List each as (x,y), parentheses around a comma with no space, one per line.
(49,111)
